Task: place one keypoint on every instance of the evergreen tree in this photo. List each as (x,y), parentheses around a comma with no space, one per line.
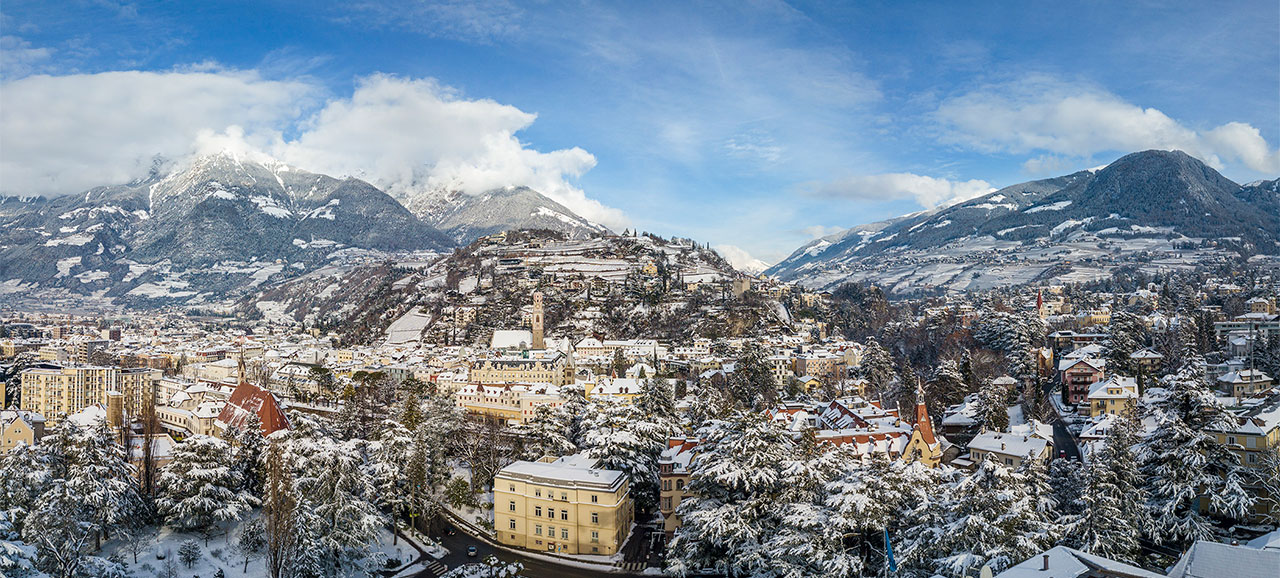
(340,494)
(104,479)
(751,385)
(877,366)
(1125,334)
(656,399)
(1114,515)
(250,448)
(1066,477)
(621,439)
(545,435)
(200,489)
(572,412)
(990,519)
(189,552)
(734,486)
(992,407)
(1183,463)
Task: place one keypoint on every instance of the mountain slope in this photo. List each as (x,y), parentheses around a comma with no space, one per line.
(211,227)
(1145,201)
(466,218)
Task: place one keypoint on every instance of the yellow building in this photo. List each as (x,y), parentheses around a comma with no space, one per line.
(538,367)
(565,505)
(19,427)
(513,403)
(55,390)
(1008,449)
(1256,433)
(673,473)
(1114,395)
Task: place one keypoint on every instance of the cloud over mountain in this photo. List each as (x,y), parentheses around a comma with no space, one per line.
(397,133)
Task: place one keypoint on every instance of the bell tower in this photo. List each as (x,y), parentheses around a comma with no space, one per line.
(539,341)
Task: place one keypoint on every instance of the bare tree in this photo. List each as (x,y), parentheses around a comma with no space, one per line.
(278,508)
(137,539)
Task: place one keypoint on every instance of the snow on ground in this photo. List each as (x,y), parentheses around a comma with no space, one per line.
(408,328)
(91,276)
(76,240)
(219,554)
(1058,206)
(274,312)
(262,274)
(65,265)
(169,288)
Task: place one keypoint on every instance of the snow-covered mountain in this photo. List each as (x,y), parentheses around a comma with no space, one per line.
(211,226)
(466,218)
(1162,203)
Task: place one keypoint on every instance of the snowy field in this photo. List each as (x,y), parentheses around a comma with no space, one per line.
(220,554)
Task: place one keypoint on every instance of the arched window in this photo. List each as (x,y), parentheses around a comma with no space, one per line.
(679,484)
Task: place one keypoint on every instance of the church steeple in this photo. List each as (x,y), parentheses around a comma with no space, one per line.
(923,424)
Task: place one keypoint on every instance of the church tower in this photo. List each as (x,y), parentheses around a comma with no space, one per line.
(539,341)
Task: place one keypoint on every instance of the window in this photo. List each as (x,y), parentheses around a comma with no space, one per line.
(512,505)
(1253,458)
(1231,440)
(551,513)
(564,514)
(513,523)
(537,510)
(595,549)
(564,496)
(595,518)
(593,498)
(551,531)
(666,485)
(666,503)
(512,488)
(679,484)
(595,536)
(537,531)
(1251,442)
(1008,461)
(537,493)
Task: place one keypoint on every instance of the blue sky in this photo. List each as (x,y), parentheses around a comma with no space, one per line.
(753,125)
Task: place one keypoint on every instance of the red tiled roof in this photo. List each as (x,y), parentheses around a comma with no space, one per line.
(248,399)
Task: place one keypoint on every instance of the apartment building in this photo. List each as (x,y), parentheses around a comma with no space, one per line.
(56,390)
(534,367)
(565,505)
(673,473)
(513,403)
(1113,396)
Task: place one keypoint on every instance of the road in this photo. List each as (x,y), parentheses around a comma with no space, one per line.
(1062,439)
(533,567)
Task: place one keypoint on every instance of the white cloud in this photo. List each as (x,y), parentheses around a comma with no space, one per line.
(408,135)
(928,191)
(817,231)
(65,134)
(1042,113)
(741,259)
(18,58)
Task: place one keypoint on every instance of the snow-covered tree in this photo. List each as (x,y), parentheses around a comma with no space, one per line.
(1125,334)
(1066,477)
(189,552)
(1185,466)
(734,483)
(491,567)
(545,434)
(622,439)
(250,450)
(993,407)
(104,479)
(573,411)
(341,498)
(751,384)
(990,518)
(656,399)
(199,488)
(1114,514)
(877,366)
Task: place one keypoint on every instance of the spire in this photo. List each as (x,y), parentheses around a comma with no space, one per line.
(923,424)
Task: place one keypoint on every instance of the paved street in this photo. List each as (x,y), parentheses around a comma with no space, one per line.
(1062,439)
(533,567)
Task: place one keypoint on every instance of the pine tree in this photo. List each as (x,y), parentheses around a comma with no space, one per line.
(1066,477)
(623,440)
(992,407)
(751,384)
(656,399)
(1114,515)
(341,494)
(250,449)
(1184,465)
(279,512)
(189,552)
(734,484)
(991,519)
(573,411)
(1125,334)
(104,478)
(199,488)
(877,366)
(545,435)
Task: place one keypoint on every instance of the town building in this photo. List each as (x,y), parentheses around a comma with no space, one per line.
(512,403)
(673,474)
(540,366)
(1244,383)
(1114,395)
(19,427)
(565,505)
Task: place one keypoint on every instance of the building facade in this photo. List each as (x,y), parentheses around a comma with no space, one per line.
(564,505)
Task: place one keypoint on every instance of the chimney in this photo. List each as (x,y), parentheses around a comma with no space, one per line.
(1046,563)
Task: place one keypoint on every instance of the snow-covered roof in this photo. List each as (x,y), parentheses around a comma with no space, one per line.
(511,338)
(1214,560)
(1008,444)
(1067,562)
(573,470)
(1128,388)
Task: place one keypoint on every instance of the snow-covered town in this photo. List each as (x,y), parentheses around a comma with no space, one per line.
(584,289)
(1131,426)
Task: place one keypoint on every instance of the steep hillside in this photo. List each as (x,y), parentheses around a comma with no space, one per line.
(466,218)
